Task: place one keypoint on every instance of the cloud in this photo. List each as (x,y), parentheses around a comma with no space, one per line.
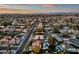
(3,6)
(47,5)
(34,8)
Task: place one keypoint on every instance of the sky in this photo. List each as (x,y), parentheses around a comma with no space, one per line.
(38,8)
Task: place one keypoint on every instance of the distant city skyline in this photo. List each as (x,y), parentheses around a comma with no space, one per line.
(38,8)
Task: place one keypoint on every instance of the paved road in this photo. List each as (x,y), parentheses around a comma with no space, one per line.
(25,40)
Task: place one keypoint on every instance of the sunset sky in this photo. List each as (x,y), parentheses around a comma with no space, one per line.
(38,8)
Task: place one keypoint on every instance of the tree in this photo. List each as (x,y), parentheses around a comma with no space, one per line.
(52,43)
(51,40)
(36,47)
(6,23)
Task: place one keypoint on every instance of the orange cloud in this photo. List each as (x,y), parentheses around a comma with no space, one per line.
(27,11)
(47,5)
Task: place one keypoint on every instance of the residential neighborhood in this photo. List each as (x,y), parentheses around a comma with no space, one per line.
(39,33)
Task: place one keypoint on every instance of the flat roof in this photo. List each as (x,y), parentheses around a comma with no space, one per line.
(39,37)
(75,42)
